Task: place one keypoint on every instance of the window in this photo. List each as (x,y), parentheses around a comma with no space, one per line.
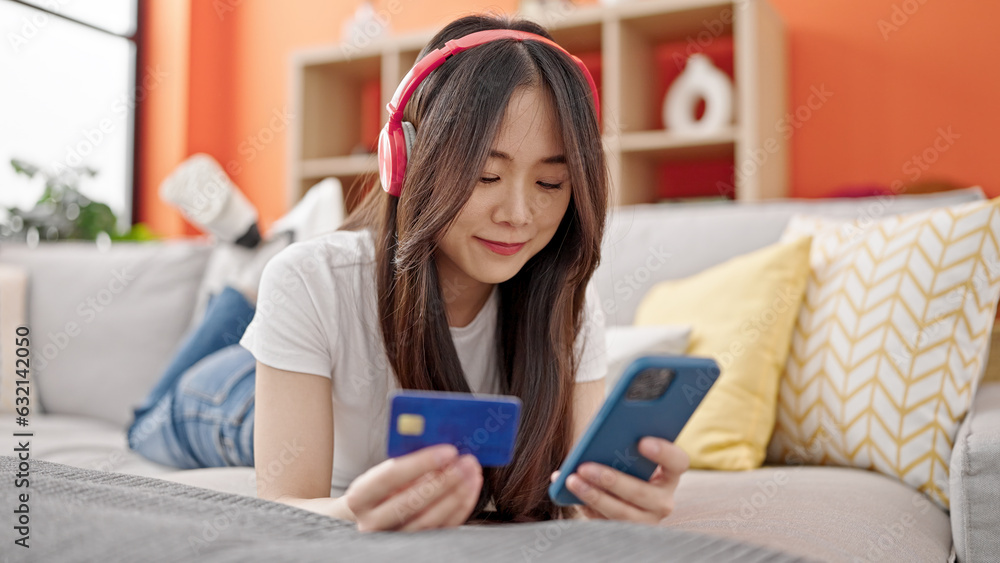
(68,97)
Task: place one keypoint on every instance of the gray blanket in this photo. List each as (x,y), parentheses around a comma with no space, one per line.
(76,514)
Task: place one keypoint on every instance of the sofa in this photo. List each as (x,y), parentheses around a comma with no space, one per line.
(106,321)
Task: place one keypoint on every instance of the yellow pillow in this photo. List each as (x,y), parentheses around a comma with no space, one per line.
(743,312)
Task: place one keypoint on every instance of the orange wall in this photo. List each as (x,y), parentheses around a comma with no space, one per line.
(163,111)
(893,89)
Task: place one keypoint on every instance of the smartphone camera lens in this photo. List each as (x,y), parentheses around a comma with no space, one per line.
(650,384)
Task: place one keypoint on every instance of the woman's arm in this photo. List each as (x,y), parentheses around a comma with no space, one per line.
(333,507)
(293,440)
(588,396)
(293,455)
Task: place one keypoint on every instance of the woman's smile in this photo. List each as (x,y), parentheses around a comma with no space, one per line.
(505,249)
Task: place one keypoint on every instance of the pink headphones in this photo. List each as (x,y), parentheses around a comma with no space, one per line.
(396,139)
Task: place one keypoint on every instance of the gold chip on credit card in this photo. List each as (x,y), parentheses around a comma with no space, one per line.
(410,424)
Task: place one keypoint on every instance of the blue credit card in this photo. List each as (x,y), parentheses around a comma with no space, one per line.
(483,425)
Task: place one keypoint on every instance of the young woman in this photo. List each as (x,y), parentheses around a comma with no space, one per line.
(468,272)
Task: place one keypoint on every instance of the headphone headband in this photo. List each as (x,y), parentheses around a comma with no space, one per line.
(437,57)
(394,145)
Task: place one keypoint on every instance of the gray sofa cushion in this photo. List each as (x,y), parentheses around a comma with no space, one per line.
(824,513)
(81,441)
(85,515)
(974,479)
(105,324)
(680,240)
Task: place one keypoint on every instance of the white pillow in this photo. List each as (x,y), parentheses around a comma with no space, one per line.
(320,211)
(627,342)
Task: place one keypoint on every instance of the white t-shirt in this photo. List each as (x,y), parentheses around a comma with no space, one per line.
(316,313)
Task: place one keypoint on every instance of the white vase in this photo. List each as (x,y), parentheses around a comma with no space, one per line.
(699,80)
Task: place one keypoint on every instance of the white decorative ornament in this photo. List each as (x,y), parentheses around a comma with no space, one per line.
(699,80)
(545,12)
(365,26)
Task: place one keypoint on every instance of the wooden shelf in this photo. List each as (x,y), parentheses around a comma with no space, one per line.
(580,36)
(666,145)
(332,91)
(677,19)
(339,166)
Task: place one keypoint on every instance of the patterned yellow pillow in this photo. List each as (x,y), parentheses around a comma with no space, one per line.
(890,341)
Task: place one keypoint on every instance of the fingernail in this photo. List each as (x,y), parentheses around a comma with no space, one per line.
(590,472)
(468,465)
(579,484)
(445,454)
(652,446)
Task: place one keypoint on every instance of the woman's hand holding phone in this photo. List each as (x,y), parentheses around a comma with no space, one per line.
(432,487)
(610,494)
(626,466)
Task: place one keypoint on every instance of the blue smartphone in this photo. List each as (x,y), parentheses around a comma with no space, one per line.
(655,396)
(483,425)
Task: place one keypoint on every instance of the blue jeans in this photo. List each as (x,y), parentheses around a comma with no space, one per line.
(200,413)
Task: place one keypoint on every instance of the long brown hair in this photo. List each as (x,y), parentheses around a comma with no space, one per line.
(457,112)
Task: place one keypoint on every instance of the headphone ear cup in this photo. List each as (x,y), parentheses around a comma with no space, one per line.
(410,136)
(386,160)
(394,144)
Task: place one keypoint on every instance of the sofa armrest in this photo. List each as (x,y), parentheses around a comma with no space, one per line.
(974,479)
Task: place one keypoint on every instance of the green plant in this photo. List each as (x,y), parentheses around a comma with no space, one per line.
(63,213)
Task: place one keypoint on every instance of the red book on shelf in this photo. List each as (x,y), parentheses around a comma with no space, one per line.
(372,114)
(699,178)
(592,60)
